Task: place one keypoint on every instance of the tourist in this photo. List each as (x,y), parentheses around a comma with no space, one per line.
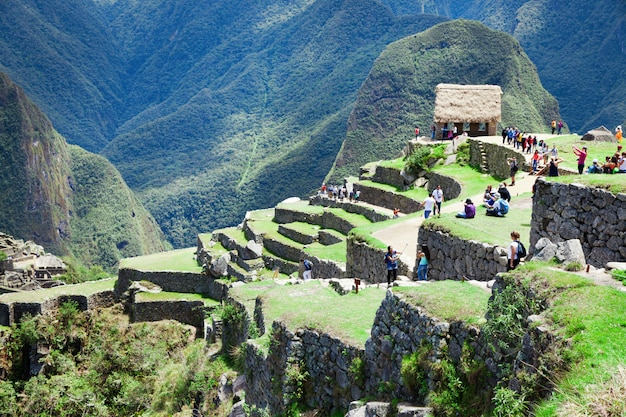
(469,210)
(560,127)
(535,161)
(488,193)
(609,165)
(357,195)
(396,213)
(499,207)
(391,259)
(423,258)
(512,255)
(428,205)
(553,125)
(553,168)
(323,188)
(504,192)
(618,133)
(417,132)
(621,163)
(438,196)
(308,268)
(581,154)
(554,153)
(433,130)
(594,168)
(513,167)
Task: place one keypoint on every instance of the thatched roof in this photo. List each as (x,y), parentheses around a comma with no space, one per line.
(468,103)
(600,134)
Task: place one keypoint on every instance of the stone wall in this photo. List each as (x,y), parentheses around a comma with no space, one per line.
(389,176)
(453,258)
(367,263)
(387,199)
(401,329)
(186,312)
(172,281)
(323,363)
(497,157)
(351,207)
(451,188)
(571,211)
(11,313)
(297,236)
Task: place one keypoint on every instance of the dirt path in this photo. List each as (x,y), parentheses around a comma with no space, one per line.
(403,235)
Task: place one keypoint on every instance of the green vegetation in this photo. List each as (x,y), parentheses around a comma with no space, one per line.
(85,288)
(175,260)
(175,296)
(100,365)
(441,298)
(399,92)
(613,183)
(620,275)
(285,303)
(482,228)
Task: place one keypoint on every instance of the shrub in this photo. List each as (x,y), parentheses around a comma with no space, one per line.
(418,160)
(620,275)
(508,403)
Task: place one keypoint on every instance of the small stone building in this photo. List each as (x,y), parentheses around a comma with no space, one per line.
(474,109)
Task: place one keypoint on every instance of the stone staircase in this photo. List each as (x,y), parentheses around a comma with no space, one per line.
(484,160)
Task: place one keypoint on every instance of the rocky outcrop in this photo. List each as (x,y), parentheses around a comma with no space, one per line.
(594,216)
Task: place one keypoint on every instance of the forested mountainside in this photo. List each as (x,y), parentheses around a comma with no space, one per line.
(399,91)
(578,46)
(69,200)
(211,108)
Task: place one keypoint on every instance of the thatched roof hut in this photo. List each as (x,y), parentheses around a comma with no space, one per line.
(478,107)
(600,134)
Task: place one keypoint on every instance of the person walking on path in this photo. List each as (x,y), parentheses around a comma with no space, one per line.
(513,169)
(553,125)
(423,257)
(438,196)
(582,155)
(308,269)
(391,259)
(428,205)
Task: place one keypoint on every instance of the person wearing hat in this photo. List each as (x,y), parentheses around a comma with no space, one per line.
(594,168)
(582,155)
(499,207)
(469,210)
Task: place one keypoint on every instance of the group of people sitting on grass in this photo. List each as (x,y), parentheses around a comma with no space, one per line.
(496,203)
(615,164)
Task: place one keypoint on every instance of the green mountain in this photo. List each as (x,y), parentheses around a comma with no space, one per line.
(211,108)
(68,200)
(399,92)
(259,118)
(577,46)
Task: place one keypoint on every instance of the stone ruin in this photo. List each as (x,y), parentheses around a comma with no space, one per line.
(27,266)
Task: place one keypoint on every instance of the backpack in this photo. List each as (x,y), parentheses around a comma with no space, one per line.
(307,265)
(521,250)
(504,207)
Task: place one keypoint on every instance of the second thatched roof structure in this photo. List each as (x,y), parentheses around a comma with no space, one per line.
(468,103)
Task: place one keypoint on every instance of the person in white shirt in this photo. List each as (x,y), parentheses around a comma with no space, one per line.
(438,196)
(428,205)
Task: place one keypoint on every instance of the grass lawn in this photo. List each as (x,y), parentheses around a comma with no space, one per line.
(175,260)
(596,150)
(482,228)
(417,194)
(593,319)
(449,300)
(615,183)
(473,182)
(175,296)
(335,252)
(85,288)
(313,306)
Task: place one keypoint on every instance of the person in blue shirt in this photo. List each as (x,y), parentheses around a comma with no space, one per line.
(391,259)
(423,257)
